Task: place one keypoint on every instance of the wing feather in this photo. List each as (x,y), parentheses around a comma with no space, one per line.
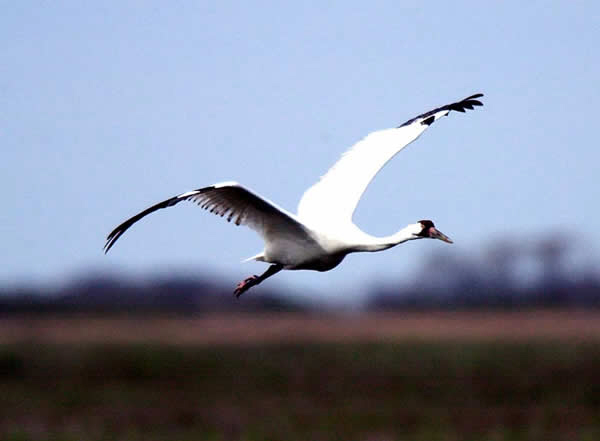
(331,202)
(241,205)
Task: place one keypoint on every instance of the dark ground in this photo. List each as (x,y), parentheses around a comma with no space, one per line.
(402,388)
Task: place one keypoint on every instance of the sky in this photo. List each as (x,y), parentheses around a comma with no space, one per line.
(109,107)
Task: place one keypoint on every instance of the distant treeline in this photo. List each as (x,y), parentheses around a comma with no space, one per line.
(119,295)
(509,275)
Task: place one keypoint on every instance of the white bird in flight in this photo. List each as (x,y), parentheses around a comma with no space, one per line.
(322,233)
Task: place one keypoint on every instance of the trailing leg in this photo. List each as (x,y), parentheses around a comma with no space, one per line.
(248,283)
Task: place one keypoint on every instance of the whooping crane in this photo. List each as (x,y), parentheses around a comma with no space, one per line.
(322,233)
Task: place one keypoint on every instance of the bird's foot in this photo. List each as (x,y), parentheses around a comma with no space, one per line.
(245,285)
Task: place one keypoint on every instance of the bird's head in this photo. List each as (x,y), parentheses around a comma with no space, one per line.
(428,230)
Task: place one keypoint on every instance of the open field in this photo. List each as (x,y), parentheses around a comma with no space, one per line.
(289,327)
(440,376)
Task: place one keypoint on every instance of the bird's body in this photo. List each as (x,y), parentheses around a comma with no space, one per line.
(322,233)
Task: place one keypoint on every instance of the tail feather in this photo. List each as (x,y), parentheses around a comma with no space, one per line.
(260,257)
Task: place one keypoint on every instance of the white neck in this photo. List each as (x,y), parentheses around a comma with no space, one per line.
(383,243)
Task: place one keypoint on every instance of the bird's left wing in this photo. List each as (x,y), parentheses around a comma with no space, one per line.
(242,206)
(331,202)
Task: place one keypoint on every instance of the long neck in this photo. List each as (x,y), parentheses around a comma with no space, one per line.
(383,243)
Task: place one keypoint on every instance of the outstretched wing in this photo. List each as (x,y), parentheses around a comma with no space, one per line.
(230,199)
(332,201)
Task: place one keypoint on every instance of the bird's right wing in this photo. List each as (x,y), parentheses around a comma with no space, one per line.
(330,203)
(241,206)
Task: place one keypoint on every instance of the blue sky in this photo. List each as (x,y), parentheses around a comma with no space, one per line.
(109,107)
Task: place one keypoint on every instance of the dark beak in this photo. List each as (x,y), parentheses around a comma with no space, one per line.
(436,234)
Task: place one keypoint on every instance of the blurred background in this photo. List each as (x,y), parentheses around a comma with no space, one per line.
(106,109)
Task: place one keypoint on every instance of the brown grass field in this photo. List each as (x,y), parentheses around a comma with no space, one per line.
(447,376)
(575,325)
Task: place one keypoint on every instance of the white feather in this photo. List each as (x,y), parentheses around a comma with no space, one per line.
(323,233)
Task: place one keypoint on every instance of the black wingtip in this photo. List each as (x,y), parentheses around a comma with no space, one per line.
(467,103)
(428,118)
(110,240)
(477,95)
(107,246)
(118,232)
(470,101)
(428,121)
